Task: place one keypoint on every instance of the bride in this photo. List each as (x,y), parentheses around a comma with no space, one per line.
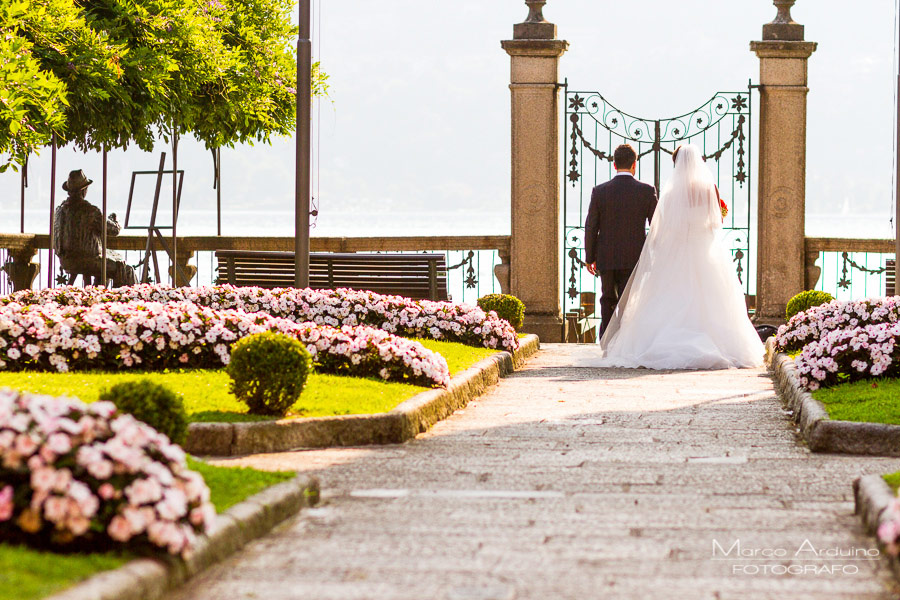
(683,307)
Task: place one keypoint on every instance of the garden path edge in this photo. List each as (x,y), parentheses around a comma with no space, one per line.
(152,578)
(872,497)
(822,433)
(403,423)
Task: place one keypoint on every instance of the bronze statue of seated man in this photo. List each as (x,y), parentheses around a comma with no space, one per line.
(77,236)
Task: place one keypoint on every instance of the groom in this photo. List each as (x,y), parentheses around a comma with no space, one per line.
(615,229)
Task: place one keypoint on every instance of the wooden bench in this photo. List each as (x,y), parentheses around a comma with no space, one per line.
(417,276)
(890,277)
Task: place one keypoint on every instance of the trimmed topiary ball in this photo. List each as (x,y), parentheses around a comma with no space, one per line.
(152,403)
(507,307)
(805,300)
(268,371)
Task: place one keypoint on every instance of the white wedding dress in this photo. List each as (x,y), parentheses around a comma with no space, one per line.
(683,307)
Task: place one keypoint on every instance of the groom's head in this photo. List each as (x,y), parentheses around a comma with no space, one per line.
(625,158)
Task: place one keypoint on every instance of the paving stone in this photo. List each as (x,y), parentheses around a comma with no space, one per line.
(569,482)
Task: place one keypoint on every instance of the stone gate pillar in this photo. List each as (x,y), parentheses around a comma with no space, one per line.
(535,256)
(781,263)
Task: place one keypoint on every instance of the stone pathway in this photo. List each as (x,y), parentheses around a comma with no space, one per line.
(570,482)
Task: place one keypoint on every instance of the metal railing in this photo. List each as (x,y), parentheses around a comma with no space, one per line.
(477,265)
(850,269)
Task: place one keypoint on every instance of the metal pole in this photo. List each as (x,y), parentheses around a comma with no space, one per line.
(175,282)
(52,209)
(897,178)
(22,203)
(657,150)
(303,175)
(103,241)
(218,183)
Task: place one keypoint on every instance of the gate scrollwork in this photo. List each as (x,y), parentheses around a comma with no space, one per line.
(721,127)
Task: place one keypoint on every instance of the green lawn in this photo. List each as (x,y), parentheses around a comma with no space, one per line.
(893,480)
(230,485)
(206,395)
(27,574)
(459,356)
(871,401)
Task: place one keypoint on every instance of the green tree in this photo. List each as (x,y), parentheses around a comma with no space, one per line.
(171,50)
(109,73)
(32,101)
(222,70)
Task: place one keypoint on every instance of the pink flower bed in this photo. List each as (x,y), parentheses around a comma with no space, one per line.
(80,475)
(852,354)
(155,335)
(814,323)
(462,323)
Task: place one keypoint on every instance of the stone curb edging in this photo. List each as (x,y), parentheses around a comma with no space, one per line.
(402,423)
(152,578)
(821,432)
(873,496)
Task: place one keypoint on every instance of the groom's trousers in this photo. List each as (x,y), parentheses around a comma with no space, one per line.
(612,284)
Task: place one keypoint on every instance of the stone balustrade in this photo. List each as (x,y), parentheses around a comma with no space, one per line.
(23,247)
(814,248)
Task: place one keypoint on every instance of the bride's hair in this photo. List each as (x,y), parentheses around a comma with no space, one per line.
(677,150)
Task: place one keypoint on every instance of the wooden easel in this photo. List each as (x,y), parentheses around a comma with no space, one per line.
(153,229)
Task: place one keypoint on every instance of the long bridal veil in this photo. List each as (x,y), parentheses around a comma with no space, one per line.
(683,306)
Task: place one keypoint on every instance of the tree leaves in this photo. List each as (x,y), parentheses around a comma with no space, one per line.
(119,72)
(32,101)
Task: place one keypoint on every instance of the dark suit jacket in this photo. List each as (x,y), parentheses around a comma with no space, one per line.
(614,230)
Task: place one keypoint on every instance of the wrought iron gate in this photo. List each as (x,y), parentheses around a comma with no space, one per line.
(594,128)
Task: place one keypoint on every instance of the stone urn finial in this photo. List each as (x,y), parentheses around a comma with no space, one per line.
(784,11)
(536,11)
(783,28)
(535,27)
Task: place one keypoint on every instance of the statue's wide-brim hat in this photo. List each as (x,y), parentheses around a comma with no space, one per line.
(77,181)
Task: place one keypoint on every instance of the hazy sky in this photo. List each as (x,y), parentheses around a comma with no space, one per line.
(415,136)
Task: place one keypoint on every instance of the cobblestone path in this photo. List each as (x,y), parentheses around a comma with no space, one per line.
(581,483)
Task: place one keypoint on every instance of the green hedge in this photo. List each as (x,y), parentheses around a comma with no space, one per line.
(154,404)
(507,307)
(268,371)
(806,300)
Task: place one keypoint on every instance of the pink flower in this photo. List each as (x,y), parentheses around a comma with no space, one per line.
(136,518)
(195,487)
(56,509)
(63,480)
(86,503)
(173,505)
(144,491)
(119,529)
(166,535)
(60,443)
(43,479)
(6,503)
(25,445)
(100,469)
(106,491)
(78,525)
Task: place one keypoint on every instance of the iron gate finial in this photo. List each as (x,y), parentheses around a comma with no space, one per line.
(783,28)
(536,11)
